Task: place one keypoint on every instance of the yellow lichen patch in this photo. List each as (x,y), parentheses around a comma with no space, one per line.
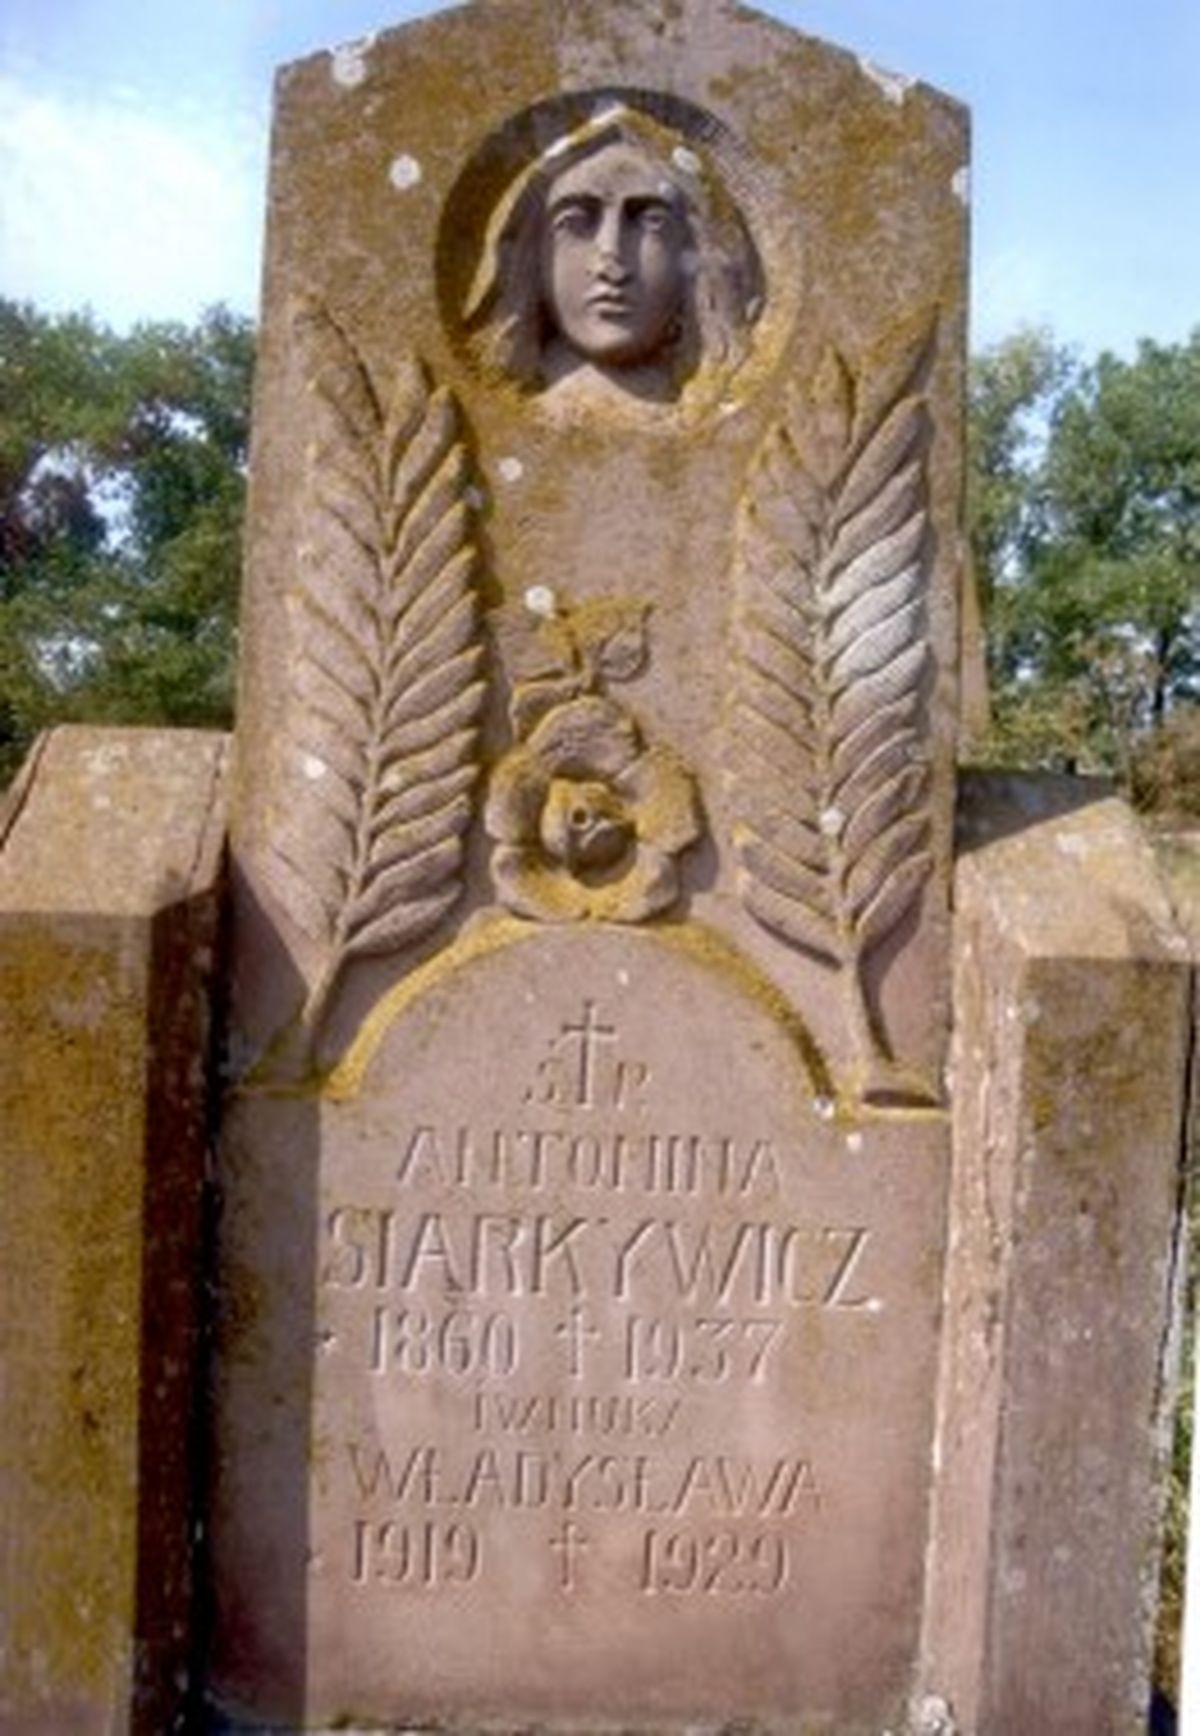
(70,1250)
(492,932)
(713,950)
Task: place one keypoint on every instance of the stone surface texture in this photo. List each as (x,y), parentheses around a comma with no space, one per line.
(585,1184)
(1074,1025)
(110,864)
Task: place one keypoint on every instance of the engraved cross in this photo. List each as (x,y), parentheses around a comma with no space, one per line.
(575,1332)
(565,1544)
(590,1034)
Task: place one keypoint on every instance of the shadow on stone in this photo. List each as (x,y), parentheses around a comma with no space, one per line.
(999,804)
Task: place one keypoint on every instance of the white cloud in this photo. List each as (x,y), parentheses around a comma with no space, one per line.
(139,212)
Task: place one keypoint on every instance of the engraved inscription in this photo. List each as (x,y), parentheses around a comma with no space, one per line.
(704,1349)
(583,1070)
(575,1086)
(575,1413)
(567,1544)
(758,1263)
(568,1319)
(418,1556)
(541,1159)
(576,1334)
(704,1485)
(720,1562)
(458,1343)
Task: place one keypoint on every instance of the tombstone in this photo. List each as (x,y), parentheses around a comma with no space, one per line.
(588,1168)
(666,1273)
(111,848)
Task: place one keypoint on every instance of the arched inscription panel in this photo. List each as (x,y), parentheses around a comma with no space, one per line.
(593,1346)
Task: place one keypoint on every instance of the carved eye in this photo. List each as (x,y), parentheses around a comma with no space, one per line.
(578,218)
(654,217)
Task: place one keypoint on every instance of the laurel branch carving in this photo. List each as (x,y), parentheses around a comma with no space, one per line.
(827,762)
(386,684)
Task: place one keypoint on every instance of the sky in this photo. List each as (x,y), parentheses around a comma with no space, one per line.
(133,148)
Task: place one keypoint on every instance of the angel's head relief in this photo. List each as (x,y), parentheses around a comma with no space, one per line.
(617,250)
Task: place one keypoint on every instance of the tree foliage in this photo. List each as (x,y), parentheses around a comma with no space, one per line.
(1013,388)
(122,463)
(1086,533)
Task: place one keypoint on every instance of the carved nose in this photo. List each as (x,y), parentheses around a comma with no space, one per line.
(610,264)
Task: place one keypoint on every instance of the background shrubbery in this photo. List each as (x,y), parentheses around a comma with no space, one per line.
(122,482)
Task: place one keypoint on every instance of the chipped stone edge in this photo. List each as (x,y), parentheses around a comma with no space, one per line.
(895,86)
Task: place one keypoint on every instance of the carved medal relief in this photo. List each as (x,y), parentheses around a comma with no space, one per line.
(583,815)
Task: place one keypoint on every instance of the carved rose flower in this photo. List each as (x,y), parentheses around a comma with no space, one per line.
(588,820)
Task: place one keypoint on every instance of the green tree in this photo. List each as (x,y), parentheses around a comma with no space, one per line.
(1013,387)
(122,464)
(1086,496)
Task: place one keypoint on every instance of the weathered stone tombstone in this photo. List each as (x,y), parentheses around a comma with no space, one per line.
(625,1315)
(619,1215)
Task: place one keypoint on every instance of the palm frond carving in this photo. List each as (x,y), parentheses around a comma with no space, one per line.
(829,776)
(386,687)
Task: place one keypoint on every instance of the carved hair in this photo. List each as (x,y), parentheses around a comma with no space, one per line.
(506,316)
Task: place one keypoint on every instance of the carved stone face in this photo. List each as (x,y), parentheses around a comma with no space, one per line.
(613,256)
